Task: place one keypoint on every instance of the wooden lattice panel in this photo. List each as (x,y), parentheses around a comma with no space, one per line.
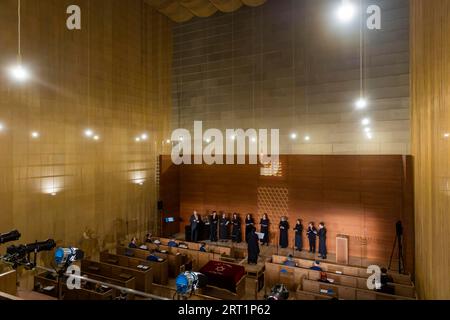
(275,202)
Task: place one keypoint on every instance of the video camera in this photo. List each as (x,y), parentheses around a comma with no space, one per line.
(20,255)
(9,237)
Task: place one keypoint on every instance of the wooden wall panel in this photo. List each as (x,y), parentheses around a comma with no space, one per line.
(361,196)
(112,76)
(430,92)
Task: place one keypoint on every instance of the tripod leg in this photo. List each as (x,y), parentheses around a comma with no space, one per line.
(392,253)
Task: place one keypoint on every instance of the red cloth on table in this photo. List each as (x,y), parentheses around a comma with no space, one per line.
(223,275)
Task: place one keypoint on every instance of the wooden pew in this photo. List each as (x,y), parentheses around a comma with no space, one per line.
(86,294)
(344,280)
(8,297)
(343,269)
(144,277)
(41,281)
(214,248)
(8,282)
(305,295)
(160,268)
(118,281)
(346,293)
(175,261)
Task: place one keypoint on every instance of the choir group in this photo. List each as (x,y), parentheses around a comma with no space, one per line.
(223,222)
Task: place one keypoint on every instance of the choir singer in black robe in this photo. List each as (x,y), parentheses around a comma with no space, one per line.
(298,235)
(223,227)
(236,234)
(322,241)
(312,237)
(213,222)
(284,227)
(265,229)
(253,246)
(195,224)
(249,225)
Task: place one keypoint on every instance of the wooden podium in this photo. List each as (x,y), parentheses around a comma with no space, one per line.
(342,249)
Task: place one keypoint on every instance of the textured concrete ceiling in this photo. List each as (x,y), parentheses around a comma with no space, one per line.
(184,10)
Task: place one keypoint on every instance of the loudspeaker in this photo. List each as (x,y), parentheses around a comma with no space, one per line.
(160,205)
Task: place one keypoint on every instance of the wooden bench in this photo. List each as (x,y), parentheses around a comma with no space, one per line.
(214,248)
(343,269)
(305,295)
(144,278)
(8,282)
(118,281)
(41,281)
(175,261)
(346,293)
(160,268)
(272,270)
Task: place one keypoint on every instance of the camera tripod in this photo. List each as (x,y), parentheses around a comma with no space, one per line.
(398,240)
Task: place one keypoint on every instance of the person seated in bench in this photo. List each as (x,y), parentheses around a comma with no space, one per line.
(324,277)
(172,243)
(133,243)
(290,261)
(316,266)
(385,279)
(153,258)
(148,238)
(202,247)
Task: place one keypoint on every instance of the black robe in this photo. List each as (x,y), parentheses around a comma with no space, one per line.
(284,240)
(323,242)
(265,230)
(213,222)
(223,228)
(195,223)
(249,225)
(312,237)
(236,233)
(253,247)
(299,237)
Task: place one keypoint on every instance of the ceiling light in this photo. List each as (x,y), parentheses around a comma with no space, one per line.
(446,135)
(35,134)
(307,138)
(346,11)
(367,130)
(293,136)
(361,103)
(2,127)
(19,73)
(137,139)
(365,121)
(168,141)
(369,136)
(144,136)
(88,133)
(96,138)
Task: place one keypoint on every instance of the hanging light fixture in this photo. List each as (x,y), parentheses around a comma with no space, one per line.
(346,11)
(19,72)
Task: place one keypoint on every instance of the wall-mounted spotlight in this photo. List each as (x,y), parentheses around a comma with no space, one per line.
(96,138)
(307,138)
(369,135)
(446,135)
(35,135)
(293,136)
(346,11)
(144,136)
(367,130)
(2,127)
(168,141)
(137,139)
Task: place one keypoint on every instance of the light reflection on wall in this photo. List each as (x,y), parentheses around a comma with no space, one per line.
(138,176)
(52,185)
